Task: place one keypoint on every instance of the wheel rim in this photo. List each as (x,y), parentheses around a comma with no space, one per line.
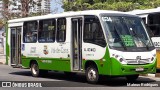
(92,75)
(35,69)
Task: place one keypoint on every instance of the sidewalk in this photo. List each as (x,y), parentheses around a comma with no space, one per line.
(2,59)
(152,75)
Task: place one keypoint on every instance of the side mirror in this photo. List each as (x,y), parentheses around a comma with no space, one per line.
(4,34)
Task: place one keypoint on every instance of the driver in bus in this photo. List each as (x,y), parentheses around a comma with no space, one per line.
(30,37)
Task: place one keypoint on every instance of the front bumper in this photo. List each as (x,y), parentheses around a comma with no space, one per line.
(120,69)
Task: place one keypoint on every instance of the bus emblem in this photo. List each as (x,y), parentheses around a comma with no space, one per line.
(45,51)
(138,58)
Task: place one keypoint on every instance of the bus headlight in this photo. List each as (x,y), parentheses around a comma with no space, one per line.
(152,59)
(116,56)
(122,61)
(154,55)
(119,58)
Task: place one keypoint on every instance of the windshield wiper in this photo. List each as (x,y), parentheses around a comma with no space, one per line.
(139,36)
(123,44)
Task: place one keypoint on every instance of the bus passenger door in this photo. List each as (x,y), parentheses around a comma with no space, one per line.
(76,43)
(16,46)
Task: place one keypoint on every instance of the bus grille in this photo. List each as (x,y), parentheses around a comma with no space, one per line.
(142,61)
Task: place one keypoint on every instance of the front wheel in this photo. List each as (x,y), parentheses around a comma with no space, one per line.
(132,77)
(92,75)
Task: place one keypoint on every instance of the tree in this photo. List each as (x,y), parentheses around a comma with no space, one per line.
(26,4)
(120,5)
(1,24)
(5,11)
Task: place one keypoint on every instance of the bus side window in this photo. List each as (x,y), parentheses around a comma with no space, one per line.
(93,31)
(30,32)
(154,24)
(46,32)
(61,30)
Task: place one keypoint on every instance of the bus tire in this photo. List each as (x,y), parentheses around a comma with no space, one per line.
(92,75)
(35,69)
(132,77)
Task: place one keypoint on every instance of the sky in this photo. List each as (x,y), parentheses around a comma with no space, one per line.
(56,6)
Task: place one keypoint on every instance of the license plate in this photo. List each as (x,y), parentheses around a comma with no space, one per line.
(139,69)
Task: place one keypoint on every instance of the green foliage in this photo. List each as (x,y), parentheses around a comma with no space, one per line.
(120,5)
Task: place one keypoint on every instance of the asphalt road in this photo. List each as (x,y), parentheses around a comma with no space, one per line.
(60,81)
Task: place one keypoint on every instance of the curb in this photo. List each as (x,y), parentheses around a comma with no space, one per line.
(154,75)
(151,75)
(157,75)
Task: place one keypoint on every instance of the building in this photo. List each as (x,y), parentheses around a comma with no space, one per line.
(42,6)
(2,30)
(2,47)
(35,7)
(2,34)
(2,41)
(45,6)
(15,6)
(1,8)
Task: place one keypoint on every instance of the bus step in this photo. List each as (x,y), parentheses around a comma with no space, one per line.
(16,66)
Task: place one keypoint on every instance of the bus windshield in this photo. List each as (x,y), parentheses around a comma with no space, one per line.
(125,31)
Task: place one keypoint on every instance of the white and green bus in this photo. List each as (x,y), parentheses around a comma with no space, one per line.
(151,18)
(94,42)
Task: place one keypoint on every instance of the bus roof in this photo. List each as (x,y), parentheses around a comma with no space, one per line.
(146,11)
(65,14)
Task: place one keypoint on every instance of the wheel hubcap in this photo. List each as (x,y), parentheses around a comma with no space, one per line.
(34,69)
(92,75)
